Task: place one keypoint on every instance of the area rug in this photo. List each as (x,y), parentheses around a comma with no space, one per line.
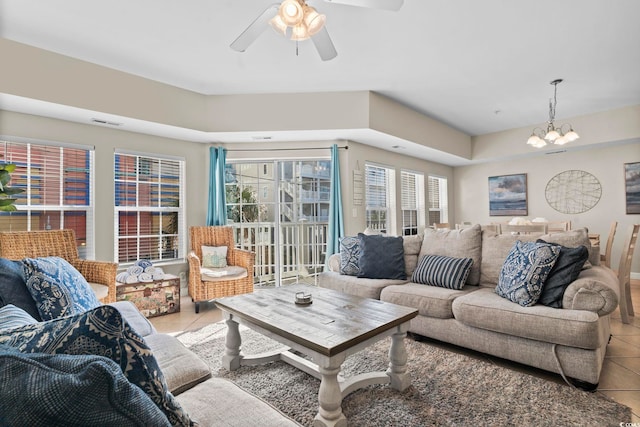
(448,389)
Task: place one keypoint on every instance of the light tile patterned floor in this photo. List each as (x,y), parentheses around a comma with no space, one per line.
(620,378)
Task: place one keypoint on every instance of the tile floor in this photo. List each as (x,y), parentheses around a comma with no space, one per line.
(620,378)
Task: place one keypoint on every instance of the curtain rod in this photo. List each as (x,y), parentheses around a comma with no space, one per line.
(283,149)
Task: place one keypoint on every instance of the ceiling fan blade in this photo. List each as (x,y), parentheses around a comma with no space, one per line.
(374,4)
(324,45)
(254,30)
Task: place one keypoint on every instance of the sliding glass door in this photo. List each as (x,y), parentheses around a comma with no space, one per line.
(280,210)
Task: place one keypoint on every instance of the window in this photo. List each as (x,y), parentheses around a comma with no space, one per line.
(380,194)
(58,186)
(149,214)
(438,204)
(412,202)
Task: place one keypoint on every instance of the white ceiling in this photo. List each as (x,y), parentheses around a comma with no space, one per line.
(480,66)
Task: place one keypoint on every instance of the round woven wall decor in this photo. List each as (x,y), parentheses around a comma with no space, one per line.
(573,191)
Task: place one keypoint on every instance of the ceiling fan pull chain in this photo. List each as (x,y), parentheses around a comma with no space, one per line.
(297,48)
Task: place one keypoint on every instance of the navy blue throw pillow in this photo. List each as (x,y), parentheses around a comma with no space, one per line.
(381,257)
(566,270)
(13,289)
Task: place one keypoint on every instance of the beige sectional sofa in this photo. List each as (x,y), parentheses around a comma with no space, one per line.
(570,340)
(208,400)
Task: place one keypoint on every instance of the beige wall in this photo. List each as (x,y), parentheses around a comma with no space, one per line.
(471,194)
(106,141)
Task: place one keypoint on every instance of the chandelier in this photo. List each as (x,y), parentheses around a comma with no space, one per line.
(303,20)
(553,135)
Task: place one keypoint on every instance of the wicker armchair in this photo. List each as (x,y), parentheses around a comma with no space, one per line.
(212,288)
(17,245)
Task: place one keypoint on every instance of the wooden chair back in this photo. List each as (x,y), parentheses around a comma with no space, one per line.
(558,226)
(523,229)
(624,274)
(441,225)
(606,256)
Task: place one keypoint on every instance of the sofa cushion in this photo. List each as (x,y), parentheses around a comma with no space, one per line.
(13,317)
(219,402)
(350,255)
(55,390)
(134,318)
(466,243)
(412,245)
(181,367)
(214,256)
(381,257)
(566,270)
(486,310)
(525,270)
(573,239)
(446,272)
(430,301)
(101,331)
(57,287)
(361,287)
(495,248)
(13,289)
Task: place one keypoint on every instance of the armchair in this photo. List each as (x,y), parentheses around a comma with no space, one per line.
(205,287)
(101,275)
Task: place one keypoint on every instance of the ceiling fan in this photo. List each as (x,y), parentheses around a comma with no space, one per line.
(299,21)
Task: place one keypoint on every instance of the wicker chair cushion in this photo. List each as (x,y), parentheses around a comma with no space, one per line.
(231,272)
(101,290)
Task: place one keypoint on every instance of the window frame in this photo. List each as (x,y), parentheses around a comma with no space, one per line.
(440,205)
(25,204)
(388,207)
(137,208)
(412,201)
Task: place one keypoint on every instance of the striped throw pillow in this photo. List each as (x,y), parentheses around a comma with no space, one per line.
(442,271)
(13,317)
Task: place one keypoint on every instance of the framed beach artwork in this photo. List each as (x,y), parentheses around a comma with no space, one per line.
(632,187)
(508,195)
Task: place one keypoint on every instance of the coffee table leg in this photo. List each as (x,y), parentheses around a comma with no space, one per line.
(400,380)
(232,357)
(330,396)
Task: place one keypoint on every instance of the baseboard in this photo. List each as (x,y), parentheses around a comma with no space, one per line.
(635,276)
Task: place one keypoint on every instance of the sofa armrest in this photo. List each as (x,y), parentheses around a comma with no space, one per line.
(333,264)
(596,290)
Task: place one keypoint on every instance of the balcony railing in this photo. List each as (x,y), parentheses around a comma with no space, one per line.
(300,253)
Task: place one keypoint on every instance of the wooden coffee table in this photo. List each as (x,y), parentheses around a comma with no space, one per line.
(332,327)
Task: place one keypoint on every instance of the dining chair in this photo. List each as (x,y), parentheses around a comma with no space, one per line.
(524,229)
(441,225)
(606,256)
(624,274)
(558,226)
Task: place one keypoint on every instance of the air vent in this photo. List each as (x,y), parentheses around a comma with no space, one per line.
(105,122)
(556,152)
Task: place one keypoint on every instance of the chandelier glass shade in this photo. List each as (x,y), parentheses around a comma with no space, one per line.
(303,20)
(552,135)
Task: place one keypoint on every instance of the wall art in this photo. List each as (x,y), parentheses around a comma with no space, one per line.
(632,187)
(573,192)
(508,195)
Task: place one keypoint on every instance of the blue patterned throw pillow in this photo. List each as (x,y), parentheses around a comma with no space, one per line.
(41,389)
(101,332)
(442,271)
(525,270)
(57,287)
(350,256)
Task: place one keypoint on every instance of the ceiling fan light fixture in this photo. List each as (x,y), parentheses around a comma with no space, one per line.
(291,12)
(313,20)
(279,25)
(300,32)
(572,135)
